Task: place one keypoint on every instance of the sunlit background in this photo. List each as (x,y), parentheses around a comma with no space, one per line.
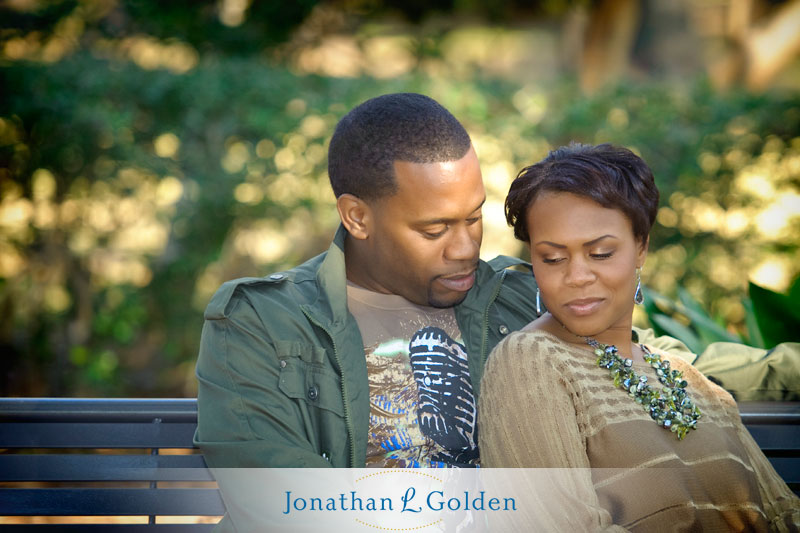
(151,150)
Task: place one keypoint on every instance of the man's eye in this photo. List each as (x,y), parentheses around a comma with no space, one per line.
(434,234)
(473,220)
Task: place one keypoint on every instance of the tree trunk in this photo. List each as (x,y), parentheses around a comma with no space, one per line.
(770,47)
(608,42)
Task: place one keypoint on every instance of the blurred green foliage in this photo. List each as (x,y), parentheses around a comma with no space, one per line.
(130,193)
(197,22)
(771,318)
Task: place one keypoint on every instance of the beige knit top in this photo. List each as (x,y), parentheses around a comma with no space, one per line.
(546,404)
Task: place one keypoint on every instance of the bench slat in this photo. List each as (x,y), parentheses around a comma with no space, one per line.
(100,435)
(770,437)
(98,409)
(110,502)
(24,467)
(788,468)
(783,413)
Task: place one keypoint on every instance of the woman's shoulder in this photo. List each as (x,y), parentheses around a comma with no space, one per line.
(528,340)
(533,349)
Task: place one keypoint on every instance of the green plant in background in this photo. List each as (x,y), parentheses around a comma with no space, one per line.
(777,315)
(771,318)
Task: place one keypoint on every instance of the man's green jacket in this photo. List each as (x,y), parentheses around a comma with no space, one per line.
(282,372)
(283,377)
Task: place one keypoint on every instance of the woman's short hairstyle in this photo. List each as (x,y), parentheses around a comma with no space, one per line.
(612,176)
(392,127)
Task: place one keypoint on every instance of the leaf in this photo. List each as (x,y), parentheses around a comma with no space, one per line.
(753,332)
(776,316)
(794,296)
(684,334)
(652,300)
(688,301)
(655,302)
(708,329)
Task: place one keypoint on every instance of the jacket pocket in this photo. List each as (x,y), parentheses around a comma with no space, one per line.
(302,379)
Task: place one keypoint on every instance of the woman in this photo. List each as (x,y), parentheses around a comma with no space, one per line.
(651,444)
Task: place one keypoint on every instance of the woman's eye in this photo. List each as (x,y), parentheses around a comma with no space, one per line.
(552,260)
(602,256)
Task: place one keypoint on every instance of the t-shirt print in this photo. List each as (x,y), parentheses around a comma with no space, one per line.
(422,409)
(446,408)
(422,406)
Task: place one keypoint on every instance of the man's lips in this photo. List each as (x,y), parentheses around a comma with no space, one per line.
(583,306)
(458,282)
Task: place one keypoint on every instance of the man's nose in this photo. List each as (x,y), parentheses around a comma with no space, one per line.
(465,243)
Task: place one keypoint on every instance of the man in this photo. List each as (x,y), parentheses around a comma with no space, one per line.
(371,353)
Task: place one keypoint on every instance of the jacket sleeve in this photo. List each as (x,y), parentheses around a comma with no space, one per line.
(748,373)
(753,374)
(527,419)
(244,419)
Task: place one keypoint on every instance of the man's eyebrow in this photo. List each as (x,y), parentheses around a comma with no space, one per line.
(586,244)
(448,220)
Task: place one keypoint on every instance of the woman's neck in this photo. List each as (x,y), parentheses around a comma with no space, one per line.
(619,336)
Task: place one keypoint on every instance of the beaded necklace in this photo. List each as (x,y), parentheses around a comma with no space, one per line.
(670,407)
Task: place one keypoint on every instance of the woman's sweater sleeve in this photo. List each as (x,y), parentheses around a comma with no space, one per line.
(527,419)
(781,505)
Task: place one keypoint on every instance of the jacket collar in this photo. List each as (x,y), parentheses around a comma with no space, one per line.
(331,303)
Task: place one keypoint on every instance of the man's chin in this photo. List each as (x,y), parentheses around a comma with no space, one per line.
(443,302)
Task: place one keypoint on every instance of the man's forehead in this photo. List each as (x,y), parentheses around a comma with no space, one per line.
(445,191)
(439,173)
(446,164)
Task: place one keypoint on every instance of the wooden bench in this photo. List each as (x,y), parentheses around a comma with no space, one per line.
(36,433)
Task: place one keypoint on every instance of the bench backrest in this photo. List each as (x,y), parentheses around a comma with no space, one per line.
(775,426)
(116,442)
(36,433)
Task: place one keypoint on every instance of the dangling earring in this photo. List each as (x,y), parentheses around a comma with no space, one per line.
(638,296)
(538,303)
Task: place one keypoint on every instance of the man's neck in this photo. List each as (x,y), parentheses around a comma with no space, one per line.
(354,260)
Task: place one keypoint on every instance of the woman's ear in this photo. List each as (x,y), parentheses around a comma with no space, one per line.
(355,214)
(642,252)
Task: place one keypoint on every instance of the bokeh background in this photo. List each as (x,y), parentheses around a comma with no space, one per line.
(151,150)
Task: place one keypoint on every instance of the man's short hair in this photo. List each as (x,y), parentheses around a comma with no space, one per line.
(612,176)
(393,127)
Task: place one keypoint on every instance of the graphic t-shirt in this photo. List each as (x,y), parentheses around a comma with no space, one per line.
(422,409)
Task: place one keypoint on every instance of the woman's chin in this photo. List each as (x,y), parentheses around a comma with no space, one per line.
(581,328)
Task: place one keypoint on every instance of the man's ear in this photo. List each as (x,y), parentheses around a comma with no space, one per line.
(355,214)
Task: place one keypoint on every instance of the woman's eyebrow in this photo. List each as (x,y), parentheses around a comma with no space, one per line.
(588,243)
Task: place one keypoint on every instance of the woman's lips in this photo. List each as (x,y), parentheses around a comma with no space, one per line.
(459,282)
(583,306)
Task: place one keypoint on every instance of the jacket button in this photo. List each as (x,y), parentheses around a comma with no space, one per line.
(313,393)
(503,329)
(283,364)
(277,277)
